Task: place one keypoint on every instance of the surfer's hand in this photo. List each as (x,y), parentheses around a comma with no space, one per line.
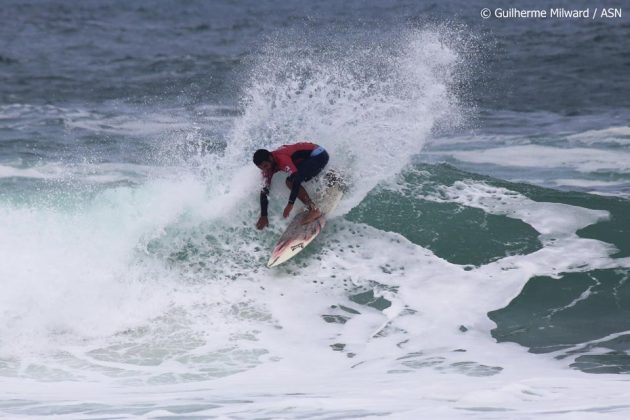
(262,223)
(287,210)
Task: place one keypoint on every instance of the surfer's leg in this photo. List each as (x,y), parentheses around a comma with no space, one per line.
(312,166)
(313,211)
(308,169)
(302,194)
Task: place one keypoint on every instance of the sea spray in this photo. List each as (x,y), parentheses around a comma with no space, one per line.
(371,101)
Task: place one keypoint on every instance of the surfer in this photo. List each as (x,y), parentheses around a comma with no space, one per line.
(302,161)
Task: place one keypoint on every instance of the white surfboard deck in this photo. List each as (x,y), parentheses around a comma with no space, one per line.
(297,235)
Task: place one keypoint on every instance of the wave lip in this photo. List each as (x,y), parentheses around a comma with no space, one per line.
(372,104)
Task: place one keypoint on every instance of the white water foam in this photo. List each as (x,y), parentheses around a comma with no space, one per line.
(411,359)
(98,173)
(612,135)
(152,301)
(533,156)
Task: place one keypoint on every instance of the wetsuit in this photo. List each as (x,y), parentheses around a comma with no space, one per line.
(302,161)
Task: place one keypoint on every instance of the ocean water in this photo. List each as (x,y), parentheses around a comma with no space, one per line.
(477,267)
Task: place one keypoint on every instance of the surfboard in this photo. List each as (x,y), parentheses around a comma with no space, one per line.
(297,235)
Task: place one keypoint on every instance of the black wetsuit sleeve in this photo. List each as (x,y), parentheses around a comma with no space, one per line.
(296,178)
(264,202)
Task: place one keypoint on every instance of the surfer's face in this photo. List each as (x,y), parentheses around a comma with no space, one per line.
(265,165)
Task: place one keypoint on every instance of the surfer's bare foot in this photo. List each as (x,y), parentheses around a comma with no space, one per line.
(313,214)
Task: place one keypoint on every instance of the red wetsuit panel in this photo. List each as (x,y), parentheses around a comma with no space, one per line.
(287,157)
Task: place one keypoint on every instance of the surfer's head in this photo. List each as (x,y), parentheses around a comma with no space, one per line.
(263,159)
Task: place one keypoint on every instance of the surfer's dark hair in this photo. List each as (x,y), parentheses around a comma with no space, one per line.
(262,155)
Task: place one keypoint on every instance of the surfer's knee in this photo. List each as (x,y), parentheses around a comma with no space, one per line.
(291,179)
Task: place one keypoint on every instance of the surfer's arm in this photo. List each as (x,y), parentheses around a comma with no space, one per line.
(296,182)
(264,192)
(262,220)
(264,201)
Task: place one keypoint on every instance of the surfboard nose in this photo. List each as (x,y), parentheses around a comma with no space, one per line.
(299,233)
